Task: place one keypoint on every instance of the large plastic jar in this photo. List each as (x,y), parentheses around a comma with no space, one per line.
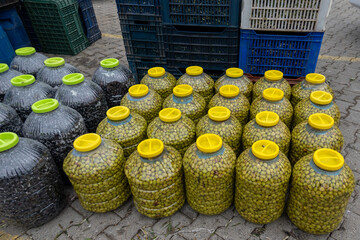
(317,132)
(95,168)
(31,190)
(155,176)
(209,166)
(28,61)
(230,97)
(273,100)
(272,79)
(321,186)
(144,101)
(312,82)
(54,70)
(9,120)
(262,179)
(24,92)
(199,81)
(84,96)
(6,75)
(115,80)
(127,128)
(173,129)
(235,76)
(267,126)
(160,81)
(319,102)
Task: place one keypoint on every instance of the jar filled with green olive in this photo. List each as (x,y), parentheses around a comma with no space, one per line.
(267,126)
(155,175)
(209,166)
(173,129)
(272,79)
(235,76)
(321,186)
(142,100)
(199,81)
(95,168)
(219,121)
(273,100)
(127,128)
(229,96)
(313,82)
(317,132)
(160,81)
(191,104)
(319,102)
(262,178)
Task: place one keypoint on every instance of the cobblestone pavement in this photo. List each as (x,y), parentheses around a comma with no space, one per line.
(339,61)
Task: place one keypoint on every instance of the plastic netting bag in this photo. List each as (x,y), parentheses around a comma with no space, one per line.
(159,80)
(271,79)
(9,120)
(6,75)
(28,61)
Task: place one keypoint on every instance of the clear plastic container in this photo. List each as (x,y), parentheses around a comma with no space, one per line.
(160,81)
(6,75)
(235,76)
(9,120)
(115,80)
(262,180)
(267,126)
(84,96)
(56,126)
(201,83)
(230,97)
(28,61)
(321,186)
(24,92)
(54,70)
(155,176)
(272,79)
(313,82)
(173,129)
(98,164)
(127,128)
(144,101)
(191,104)
(31,190)
(273,100)
(319,102)
(209,166)
(317,132)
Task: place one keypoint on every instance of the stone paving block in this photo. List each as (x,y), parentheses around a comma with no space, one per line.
(79,209)
(353,117)
(234,228)
(11,230)
(352,159)
(350,227)
(278,229)
(343,106)
(125,209)
(354,206)
(102,237)
(348,129)
(189,212)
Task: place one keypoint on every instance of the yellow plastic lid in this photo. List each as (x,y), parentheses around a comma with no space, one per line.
(45,105)
(3,67)
(219,114)
(109,63)
(273,94)
(265,149)
(209,143)
(229,91)
(170,114)
(8,140)
(138,90)
(328,159)
(315,78)
(194,70)
(54,62)
(234,72)
(150,148)
(22,80)
(118,113)
(267,119)
(321,97)
(156,72)
(321,121)
(182,90)
(87,142)
(273,75)
(25,51)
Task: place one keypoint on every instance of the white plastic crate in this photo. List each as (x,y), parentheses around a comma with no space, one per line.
(285,15)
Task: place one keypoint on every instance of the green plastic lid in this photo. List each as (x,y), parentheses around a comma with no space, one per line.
(3,67)
(45,105)
(22,80)
(25,51)
(8,140)
(109,63)
(73,79)
(54,62)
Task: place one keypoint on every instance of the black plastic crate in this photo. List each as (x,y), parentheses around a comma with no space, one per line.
(139,66)
(138,7)
(88,18)
(4,3)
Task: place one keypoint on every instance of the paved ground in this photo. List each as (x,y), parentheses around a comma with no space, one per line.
(339,61)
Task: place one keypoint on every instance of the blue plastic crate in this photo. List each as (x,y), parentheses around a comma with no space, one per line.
(6,50)
(87,14)
(138,7)
(294,54)
(140,66)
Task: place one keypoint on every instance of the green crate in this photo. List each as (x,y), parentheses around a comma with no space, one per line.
(57,25)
